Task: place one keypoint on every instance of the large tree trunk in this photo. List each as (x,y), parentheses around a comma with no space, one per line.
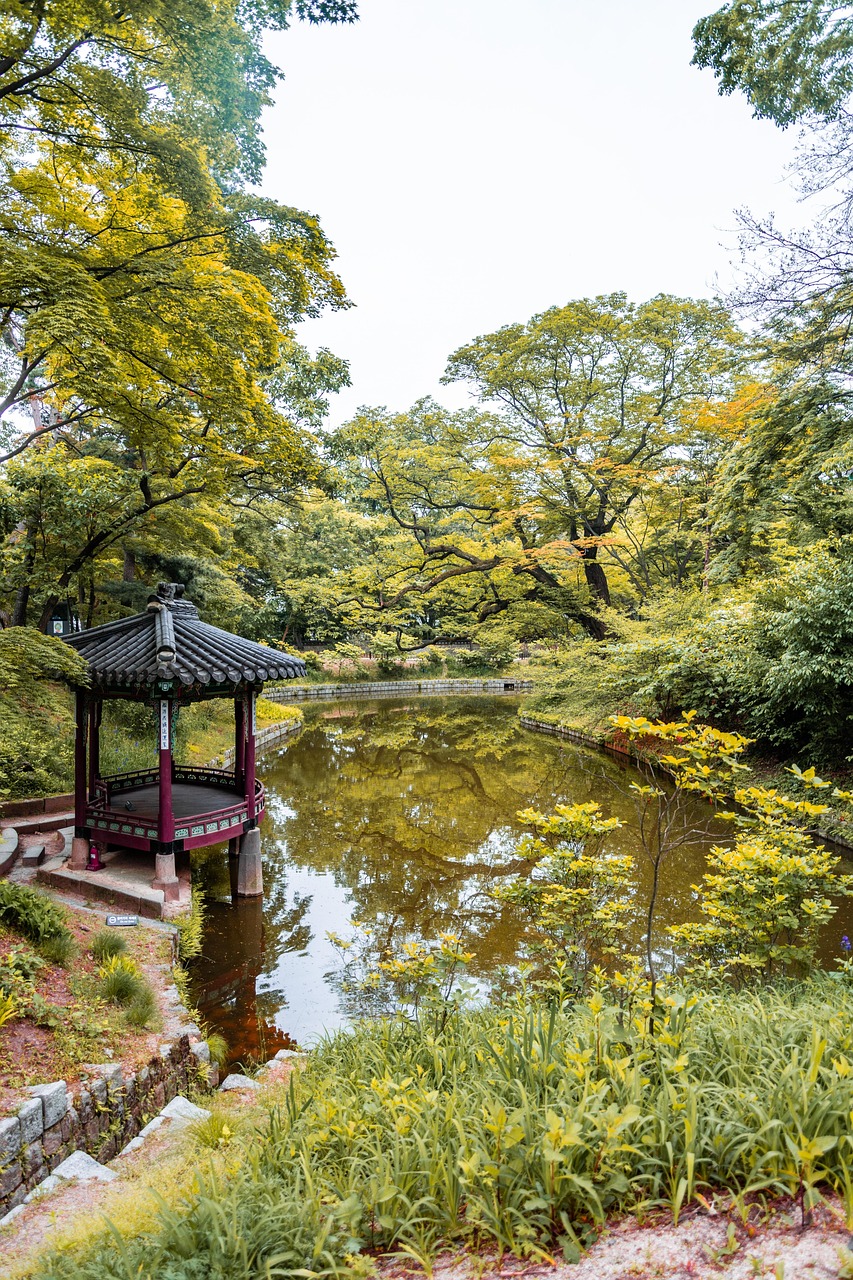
(19,611)
(596,578)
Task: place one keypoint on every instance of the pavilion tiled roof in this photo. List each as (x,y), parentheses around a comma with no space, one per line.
(170,643)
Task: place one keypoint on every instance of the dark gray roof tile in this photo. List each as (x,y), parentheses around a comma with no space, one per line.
(169,642)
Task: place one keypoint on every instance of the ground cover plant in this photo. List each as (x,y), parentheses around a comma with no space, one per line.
(521,1129)
(65,1016)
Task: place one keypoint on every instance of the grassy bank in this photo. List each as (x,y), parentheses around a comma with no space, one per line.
(523,1129)
(86,1008)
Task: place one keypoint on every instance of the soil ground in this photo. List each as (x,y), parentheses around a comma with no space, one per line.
(81,1028)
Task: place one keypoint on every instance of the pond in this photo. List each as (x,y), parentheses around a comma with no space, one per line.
(400,814)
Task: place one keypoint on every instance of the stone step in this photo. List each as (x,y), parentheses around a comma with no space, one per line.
(8,848)
(43,822)
(33,855)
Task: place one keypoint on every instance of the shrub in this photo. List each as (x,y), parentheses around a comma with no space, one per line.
(106,943)
(8,1008)
(121,980)
(142,1009)
(38,918)
(219,1048)
(190,927)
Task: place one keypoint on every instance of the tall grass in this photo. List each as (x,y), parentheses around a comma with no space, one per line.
(523,1129)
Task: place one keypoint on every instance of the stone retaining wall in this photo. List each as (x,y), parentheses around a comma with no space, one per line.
(585,740)
(32,808)
(264,738)
(100,1120)
(376,688)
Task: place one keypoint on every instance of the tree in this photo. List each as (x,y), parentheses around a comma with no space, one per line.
(458,542)
(594,396)
(147,303)
(792,60)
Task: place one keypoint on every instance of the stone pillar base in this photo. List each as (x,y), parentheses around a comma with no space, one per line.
(165,878)
(79,859)
(250,876)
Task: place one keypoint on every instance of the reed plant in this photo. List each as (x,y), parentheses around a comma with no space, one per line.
(106,943)
(521,1129)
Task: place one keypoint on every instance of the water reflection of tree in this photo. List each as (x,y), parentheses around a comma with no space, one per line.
(413,810)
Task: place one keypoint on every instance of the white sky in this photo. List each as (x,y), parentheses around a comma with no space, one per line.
(476,161)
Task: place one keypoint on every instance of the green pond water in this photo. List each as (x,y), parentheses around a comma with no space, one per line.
(401,814)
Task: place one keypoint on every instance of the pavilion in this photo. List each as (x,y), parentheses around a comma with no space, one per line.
(167,658)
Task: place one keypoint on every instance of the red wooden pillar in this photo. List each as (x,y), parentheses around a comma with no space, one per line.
(239,741)
(80,762)
(250,760)
(165,817)
(164,862)
(80,843)
(94,744)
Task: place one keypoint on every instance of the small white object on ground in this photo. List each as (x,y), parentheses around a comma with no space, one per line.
(84,1168)
(181,1111)
(284,1054)
(236,1081)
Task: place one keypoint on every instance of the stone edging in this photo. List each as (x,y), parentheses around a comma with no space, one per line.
(99,1120)
(264,738)
(634,757)
(374,688)
(584,740)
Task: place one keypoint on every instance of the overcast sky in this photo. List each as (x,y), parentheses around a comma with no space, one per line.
(476,161)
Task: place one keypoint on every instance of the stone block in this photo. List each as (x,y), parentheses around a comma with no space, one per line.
(11,1139)
(98,1090)
(12,1214)
(32,1158)
(33,855)
(201,1051)
(250,876)
(158,1096)
(84,1169)
(84,1106)
(50,1183)
(38,1175)
(237,1081)
(52,1139)
(182,1112)
(10,1178)
(166,1050)
(108,1149)
(54,1098)
(151,1127)
(31,1116)
(109,1071)
(92,1131)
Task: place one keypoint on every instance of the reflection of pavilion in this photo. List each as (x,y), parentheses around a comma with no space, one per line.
(225,979)
(167,658)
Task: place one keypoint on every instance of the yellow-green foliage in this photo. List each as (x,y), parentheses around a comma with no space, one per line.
(767,897)
(516,1129)
(575,896)
(8,1008)
(191,927)
(36,712)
